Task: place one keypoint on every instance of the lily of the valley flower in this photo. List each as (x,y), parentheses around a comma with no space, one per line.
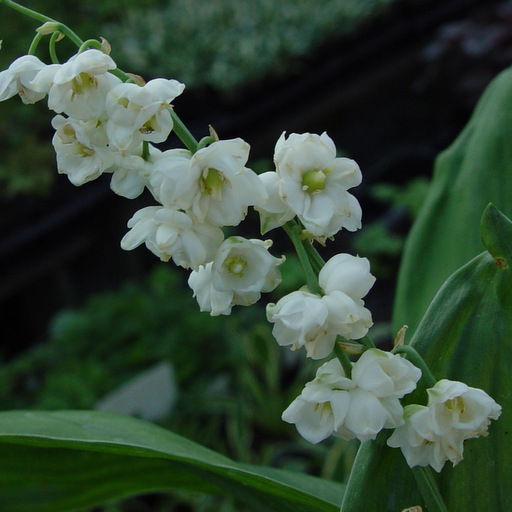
(17,77)
(78,87)
(138,113)
(241,271)
(173,234)
(351,408)
(225,187)
(434,434)
(81,148)
(314,183)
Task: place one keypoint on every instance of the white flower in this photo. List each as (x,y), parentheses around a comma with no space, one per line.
(314,183)
(171,233)
(347,317)
(348,274)
(435,433)
(138,113)
(332,403)
(241,270)
(225,186)
(171,182)
(245,266)
(16,79)
(301,319)
(455,405)
(385,374)
(420,445)
(274,212)
(209,299)
(81,148)
(78,87)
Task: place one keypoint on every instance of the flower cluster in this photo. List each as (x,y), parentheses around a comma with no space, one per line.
(314,321)
(357,407)
(435,433)
(107,122)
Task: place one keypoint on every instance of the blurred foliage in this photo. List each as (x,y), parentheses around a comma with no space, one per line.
(233,379)
(226,44)
(379,241)
(221,44)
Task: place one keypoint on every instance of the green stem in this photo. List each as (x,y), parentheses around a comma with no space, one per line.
(33,45)
(418,361)
(90,43)
(429,490)
(344,360)
(316,260)
(367,342)
(60,27)
(51,47)
(183,133)
(293,230)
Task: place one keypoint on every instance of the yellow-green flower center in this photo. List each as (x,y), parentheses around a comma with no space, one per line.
(455,404)
(212,181)
(236,265)
(83,82)
(314,181)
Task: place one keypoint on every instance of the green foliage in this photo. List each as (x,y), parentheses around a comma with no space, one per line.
(465,335)
(376,241)
(475,170)
(231,43)
(70,460)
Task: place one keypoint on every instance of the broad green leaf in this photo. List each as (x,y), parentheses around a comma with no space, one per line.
(474,171)
(465,335)
(70,460)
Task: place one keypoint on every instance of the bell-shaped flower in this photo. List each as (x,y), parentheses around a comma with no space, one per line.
(347,317)
(246,266)
(274,212)
(209,299)
(333,403)
(171,182)
(314,183)
(419,443)
(385,374)
(78,87)
(131,172)
(17,77)
(241,270)
(348,274)
(169,233)
(301,319)
(226,186)
(138,113)
(81,148)
(455,405)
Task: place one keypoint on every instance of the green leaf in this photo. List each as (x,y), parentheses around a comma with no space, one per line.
(465,335)
(70,460)
(474,171)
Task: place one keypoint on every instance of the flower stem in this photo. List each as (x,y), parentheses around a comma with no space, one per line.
(293,231)
(418,361)
(59,27)
(316,260)
(33,45)
(344,360)
(429,490)
(183,133)
(51,47)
